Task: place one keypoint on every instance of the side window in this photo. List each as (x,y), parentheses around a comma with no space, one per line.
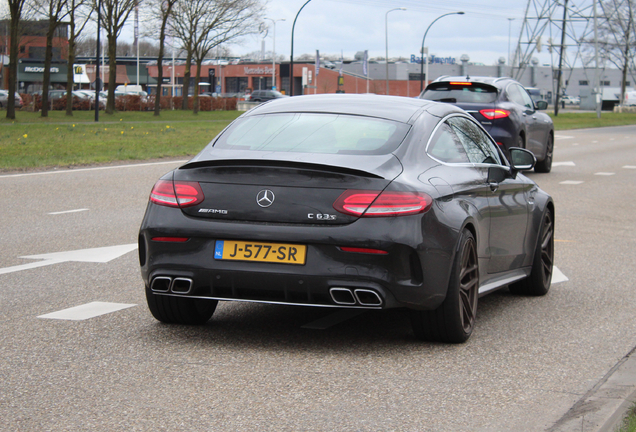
(527,100)
(446,146)
(478,146)
(513,94)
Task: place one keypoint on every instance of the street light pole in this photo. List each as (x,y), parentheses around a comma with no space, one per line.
(97,79)
(291,57)
(386,35)
(423,39)
(510,20)
(274,52)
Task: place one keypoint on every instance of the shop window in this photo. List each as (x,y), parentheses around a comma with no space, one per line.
(582,83)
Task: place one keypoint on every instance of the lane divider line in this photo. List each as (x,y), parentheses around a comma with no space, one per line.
(92,169)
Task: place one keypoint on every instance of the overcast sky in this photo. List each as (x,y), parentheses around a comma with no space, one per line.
(332,26)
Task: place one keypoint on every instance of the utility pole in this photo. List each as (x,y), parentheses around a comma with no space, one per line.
(560,71)
(597,79)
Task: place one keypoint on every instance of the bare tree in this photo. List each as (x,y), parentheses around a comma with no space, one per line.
(16,9)
(114,15)
(55,13)
(202,25)
(160,13)
(79,13)
(85,46)
(617,36)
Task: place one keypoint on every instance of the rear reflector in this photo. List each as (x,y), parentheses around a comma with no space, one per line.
(382,204)
(176,194)
(363,250)
(493,114)
(171,239)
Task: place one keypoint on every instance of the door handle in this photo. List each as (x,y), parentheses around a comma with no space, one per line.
(493,186)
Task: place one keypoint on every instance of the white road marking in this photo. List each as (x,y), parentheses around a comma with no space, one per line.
(563,137)
(629,167)
(571,182)
(558,276)
(333,319)
(89,310)
(92,169)
(67,211)
(568,163)
(604,173)
(95,255)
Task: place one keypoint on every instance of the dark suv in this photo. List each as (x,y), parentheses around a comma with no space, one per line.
(265,95)
(504,108)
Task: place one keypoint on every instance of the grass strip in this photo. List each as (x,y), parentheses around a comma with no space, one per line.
(585,120)
(33,143)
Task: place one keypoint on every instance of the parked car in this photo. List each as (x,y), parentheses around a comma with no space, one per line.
(265,95)
(348,201)
(4,99)
(571,100)
(505,109)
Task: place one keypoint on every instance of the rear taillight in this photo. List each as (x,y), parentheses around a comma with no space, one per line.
(493,114)
(381,204)
(176,194)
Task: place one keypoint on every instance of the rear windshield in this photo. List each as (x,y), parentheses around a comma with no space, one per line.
(314,133)
(461,93)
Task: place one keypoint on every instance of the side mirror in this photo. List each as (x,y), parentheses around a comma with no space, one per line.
(541,105)
(521,159)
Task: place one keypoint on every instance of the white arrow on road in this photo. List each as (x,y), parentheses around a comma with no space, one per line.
(95,255)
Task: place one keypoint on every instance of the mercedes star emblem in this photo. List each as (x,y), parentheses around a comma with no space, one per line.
(265,198)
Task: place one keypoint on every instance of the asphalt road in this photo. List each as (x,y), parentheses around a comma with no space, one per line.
(275,368)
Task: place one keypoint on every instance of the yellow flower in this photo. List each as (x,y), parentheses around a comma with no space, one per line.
(105,128)
(73,125)
(120,119)
(25,135)
(132,127)
(122,132)
(167,127)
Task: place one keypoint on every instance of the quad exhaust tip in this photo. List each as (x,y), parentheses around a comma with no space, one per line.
(360,297)
(166,284)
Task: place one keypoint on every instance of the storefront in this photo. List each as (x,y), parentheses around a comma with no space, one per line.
(31,76)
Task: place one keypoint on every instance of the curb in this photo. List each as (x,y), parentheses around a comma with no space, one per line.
(604,406)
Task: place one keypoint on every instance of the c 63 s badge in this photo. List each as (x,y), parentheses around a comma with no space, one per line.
(321,216)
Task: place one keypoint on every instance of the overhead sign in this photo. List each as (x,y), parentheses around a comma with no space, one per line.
(38,69)
(79,74)
(258,70)
(434,60)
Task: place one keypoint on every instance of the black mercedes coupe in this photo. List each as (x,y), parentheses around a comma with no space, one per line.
(348,201)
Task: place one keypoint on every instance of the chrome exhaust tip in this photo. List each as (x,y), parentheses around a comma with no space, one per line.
(342,296)
(368,297)
(161,284)
(181,285)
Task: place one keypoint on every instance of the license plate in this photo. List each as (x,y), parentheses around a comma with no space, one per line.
(260,252)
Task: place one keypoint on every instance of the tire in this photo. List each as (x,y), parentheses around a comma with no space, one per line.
(538,283)
(180,310)
(546,164)
(454,320)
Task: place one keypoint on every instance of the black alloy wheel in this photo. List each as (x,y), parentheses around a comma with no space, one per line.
(540,279)
(546,164)
(454,320)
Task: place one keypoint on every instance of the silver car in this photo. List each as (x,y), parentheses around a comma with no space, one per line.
(4,99)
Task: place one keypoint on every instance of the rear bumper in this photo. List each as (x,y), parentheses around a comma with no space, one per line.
(413,274)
